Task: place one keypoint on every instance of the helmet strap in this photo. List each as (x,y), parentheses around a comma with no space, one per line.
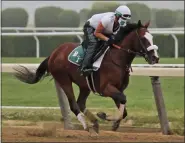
(118,14)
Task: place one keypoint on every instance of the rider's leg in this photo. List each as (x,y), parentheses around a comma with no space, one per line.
(91,42)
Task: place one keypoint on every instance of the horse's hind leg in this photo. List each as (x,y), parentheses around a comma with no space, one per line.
(84,93)
(66,84)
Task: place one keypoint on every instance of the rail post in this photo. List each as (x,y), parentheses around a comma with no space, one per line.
(160,105)
(37,46)
(64,107)
(176,52)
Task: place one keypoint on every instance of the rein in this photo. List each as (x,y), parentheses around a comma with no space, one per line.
(131,51)
(127,50)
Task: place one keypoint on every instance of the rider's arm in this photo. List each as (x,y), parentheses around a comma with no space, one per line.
(105,21)
(98,32)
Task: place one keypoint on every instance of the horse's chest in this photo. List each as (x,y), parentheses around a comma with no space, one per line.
(123,80)
(115,77)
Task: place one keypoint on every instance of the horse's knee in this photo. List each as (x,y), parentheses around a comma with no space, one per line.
(119,98)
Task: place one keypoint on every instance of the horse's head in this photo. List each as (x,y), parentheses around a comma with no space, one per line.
(143,44)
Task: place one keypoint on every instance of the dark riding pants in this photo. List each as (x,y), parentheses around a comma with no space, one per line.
(91,44)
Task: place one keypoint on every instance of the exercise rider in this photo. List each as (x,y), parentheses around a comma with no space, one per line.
(97,27)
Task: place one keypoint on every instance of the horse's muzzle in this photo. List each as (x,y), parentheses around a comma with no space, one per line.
(154,60)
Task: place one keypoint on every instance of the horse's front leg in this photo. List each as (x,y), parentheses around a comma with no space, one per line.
(116,124)
(120,101)
(84,93)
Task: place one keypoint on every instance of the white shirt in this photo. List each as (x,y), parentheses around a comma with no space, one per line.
(107,20)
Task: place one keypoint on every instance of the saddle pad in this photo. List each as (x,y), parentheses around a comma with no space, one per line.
(77,55)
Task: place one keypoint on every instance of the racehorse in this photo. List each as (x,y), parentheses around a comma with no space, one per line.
(110,80)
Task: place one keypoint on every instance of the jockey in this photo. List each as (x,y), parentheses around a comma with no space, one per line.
(97,27)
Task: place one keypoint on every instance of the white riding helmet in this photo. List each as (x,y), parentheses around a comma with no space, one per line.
(124,12)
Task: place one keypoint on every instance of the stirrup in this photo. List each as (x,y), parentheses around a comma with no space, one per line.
(86,72)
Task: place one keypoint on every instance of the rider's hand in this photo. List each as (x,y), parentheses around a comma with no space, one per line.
(110,41)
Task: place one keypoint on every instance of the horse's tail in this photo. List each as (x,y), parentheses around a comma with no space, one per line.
(31,77)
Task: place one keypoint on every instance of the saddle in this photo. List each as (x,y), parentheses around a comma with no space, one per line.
(102,46)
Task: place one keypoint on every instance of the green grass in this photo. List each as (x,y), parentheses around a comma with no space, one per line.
(139,93)
(136,60)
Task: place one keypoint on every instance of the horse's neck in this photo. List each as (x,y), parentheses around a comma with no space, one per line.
(128,44)
(122,58)
(126,58)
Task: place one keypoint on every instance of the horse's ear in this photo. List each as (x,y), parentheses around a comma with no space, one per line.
(147,24)
(139,23)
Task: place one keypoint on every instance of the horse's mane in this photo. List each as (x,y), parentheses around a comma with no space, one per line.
(124,31)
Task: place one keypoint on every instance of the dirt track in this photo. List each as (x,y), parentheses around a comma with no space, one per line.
(47,134)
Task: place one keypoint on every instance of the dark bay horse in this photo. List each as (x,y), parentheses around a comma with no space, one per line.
(110,80)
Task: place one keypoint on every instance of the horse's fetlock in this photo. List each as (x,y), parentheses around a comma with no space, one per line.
(123,99)
(119,116)
(81,118)
(90,116)
(124,114)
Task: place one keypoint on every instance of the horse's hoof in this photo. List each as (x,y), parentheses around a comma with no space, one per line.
(69,127)
(87,129)
(93,134)
(101,115)
(115,125)
(96,127)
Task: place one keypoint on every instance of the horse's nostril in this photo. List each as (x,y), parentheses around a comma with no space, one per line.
(154,58)
(157,60)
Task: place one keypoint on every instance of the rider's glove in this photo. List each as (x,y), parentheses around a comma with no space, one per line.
(110,41)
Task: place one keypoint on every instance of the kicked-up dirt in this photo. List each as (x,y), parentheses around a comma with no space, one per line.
(40,133)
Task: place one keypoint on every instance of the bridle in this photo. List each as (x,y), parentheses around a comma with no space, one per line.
(143,54)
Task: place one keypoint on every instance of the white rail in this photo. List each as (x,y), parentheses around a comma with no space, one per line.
(42,34)
(79,28)
(76,33)
(169,70)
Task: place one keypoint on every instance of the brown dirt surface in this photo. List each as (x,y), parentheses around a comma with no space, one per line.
(39,133)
